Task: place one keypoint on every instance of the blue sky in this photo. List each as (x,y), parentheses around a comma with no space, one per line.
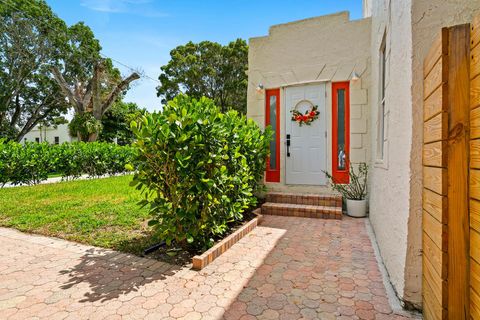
(141,33)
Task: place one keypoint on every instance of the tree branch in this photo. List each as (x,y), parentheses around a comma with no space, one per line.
(117,91)
(67,91)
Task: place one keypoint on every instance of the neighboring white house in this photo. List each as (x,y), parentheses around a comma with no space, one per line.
(366,78)
(51,134)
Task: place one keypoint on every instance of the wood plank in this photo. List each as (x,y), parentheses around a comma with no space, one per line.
(457,164)
(439,48)
(475,62)
(475,154)
(475,184)
(475,92)
(475,275)
(475,245)
(435,179)
(475,215)
(436,128)
(434,79)
(475,123)
(435,230)
(432,308)
(474,305)
(475,31)
(436,205)
(438,286)
(434,154)
(435,103)
(436,257)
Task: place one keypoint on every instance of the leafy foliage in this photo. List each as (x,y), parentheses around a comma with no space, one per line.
(33,162)
(83,125)
(208,69)
(199,168)
(357,189)
(116,122)
(29,164)
(47,67)
(29,46)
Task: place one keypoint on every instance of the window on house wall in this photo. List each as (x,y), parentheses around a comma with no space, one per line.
(57,140)
(341,131)
(381,103)
(272,119)
(37,139)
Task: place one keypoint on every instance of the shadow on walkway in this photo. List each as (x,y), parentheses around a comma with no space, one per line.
(111,274)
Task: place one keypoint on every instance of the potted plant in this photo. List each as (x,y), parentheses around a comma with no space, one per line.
(355,193)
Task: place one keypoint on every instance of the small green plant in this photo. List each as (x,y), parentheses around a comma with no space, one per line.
(199,169)
(357,189)
(84,126)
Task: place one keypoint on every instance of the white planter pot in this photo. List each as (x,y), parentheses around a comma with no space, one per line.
(357,208)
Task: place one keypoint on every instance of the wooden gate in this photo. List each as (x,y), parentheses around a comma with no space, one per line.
(445,176)
(475,169)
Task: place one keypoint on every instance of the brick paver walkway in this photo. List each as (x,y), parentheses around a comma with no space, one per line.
(288,268)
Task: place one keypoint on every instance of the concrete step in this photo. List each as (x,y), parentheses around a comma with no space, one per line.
(328,200)
(302,210)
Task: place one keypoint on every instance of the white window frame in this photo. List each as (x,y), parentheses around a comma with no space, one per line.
(381,110)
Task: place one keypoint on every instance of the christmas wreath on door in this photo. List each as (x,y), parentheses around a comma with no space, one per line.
(310,115)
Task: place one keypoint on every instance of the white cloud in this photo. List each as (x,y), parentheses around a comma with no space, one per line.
(137,7)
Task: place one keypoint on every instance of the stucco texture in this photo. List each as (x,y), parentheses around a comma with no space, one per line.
(389,189)
(396,189)
(322,49)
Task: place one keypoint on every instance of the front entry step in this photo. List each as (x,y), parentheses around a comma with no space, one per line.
(323,206)
(330,200)
(301,210)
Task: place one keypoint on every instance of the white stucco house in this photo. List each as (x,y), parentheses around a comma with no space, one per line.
(51,134)
(366,78)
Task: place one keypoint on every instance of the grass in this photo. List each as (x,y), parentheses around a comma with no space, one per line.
(100,212)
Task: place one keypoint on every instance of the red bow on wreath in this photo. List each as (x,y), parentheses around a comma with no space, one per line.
(307,118)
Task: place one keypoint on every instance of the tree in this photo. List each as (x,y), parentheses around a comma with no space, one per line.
(116,122)
(47,67)
(93,98)
(88,83)
(208,69)
(29,46)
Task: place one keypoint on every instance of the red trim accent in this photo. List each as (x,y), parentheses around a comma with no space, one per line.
(273,175)
(340,176)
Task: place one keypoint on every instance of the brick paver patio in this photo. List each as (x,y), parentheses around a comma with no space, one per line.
(288,268)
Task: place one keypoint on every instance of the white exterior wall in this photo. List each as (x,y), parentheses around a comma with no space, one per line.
(390,177)
(396,184)
(321,49)
(48,134)
(367,8)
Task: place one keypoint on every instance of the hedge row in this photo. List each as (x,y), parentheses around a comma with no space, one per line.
(32,163)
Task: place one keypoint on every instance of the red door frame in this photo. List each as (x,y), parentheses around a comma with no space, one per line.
(340,176)
(273,175)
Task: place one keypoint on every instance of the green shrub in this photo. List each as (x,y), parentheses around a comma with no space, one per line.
(24,164)
(199,169)
(31,163)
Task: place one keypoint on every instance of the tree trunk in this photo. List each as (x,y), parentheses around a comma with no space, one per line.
(93,137)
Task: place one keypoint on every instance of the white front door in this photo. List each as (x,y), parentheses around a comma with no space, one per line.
(306,156)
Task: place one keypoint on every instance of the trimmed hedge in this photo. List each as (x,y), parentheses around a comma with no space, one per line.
(199,169)
(32,163)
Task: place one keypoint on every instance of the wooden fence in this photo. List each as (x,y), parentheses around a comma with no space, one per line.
(474,169)
(445,176)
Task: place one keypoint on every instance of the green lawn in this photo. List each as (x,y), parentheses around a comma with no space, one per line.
(100,212)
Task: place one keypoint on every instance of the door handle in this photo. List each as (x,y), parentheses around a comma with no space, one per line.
(288,145)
